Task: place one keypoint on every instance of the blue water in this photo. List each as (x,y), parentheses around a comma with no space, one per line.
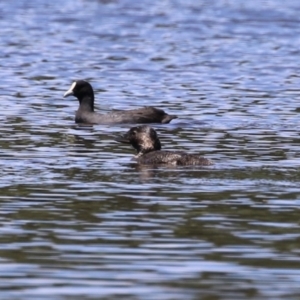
(79,220)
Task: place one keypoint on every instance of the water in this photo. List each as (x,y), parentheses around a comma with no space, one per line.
(78,220)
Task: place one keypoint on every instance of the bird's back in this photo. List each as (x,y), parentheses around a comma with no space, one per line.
(178,158)
(134,116)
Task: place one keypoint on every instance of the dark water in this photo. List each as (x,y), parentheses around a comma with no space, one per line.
(79,221)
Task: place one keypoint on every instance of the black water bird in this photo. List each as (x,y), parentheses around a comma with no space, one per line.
(84,92)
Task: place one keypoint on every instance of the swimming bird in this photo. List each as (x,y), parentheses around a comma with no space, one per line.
(84,92)
(146,142)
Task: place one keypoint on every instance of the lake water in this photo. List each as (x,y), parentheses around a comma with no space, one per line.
(79,220)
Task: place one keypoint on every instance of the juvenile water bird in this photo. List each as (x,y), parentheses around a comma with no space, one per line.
(146,142)
(84,92)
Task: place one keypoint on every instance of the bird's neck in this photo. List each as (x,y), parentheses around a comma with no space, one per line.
(87,103)
(143,151)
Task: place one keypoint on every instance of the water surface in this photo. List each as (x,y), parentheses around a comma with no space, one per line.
(79,220)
